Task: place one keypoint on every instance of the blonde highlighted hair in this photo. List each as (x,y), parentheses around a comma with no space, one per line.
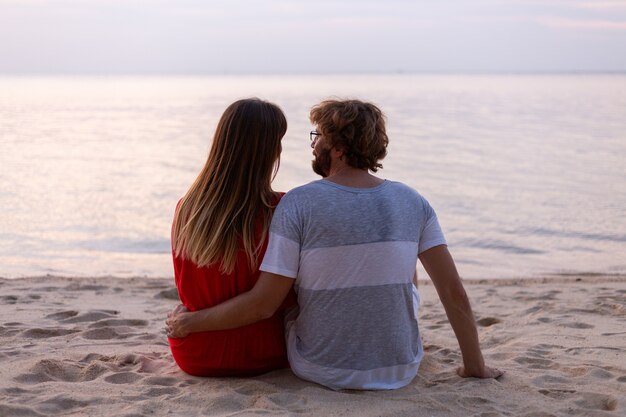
(220,212)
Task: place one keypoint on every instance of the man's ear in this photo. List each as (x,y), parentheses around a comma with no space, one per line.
(337,153)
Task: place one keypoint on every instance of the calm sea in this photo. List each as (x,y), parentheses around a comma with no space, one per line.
(526,172)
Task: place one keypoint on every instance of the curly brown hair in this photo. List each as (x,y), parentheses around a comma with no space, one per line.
(355,127)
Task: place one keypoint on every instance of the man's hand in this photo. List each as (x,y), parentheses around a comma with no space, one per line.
(260,303)
(486,372)
(177,323)
(441,268)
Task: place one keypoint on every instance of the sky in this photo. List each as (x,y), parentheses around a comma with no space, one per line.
(319,36)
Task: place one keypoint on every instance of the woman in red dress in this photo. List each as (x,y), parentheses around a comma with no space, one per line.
(219,236)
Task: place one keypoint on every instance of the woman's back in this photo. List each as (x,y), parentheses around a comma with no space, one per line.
(248,350)
(220,234)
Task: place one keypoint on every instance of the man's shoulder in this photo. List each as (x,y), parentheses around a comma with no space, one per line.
(401,188)
(316,192)
(313,185)
(304,192)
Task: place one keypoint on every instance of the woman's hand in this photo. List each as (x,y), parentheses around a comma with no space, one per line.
(177,323)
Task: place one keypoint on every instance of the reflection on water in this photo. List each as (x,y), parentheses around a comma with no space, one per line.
(527,173)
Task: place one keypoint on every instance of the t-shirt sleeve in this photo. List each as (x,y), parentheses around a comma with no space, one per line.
(282,256)
(431,235)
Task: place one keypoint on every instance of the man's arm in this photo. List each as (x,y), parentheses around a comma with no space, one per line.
(259,303)
(440,267)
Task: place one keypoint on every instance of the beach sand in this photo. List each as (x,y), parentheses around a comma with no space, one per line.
(94,347)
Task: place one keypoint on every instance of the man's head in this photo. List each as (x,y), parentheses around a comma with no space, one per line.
(355,128)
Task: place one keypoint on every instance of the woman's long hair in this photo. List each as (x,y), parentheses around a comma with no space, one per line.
(222,207)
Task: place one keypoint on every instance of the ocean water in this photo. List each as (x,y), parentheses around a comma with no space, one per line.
(526,172)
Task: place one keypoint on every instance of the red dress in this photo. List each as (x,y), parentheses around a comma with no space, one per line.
(247,350)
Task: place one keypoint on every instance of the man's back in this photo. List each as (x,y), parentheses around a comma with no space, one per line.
(353,253)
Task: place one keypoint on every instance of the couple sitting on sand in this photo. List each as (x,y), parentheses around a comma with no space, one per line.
(320,279)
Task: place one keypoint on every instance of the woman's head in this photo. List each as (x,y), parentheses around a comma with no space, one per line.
(219,212)
(246,146)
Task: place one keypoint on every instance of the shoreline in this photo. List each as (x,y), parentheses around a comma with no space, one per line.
(563,278)
(96,346)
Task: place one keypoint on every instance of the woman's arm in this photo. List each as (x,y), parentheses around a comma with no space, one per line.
(441,268)
(259,303)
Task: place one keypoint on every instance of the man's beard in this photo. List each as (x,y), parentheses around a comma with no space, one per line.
(321,163)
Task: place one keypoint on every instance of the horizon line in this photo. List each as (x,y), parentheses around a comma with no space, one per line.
(307,73)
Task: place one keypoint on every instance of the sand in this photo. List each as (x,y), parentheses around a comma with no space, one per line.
(97,347)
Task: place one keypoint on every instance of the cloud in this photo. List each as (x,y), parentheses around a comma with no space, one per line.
(602,5)
(584,24)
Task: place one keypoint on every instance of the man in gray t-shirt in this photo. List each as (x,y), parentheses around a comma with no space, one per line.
(349,244)
(352,253)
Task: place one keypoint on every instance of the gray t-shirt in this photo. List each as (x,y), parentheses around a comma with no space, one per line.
(353,253)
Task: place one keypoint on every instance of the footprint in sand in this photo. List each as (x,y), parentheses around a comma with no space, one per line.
(187,383)
(103,333)
(8,299)
(601,374)
(118,322)
(123,378)
(62,315)
(252,388)
(14,391)
(91,357)
(291,403)
(171,294)
(534,363)
(93,315)
(594,401)
(8,331)
(157,392)
(152,337)
(575,372)
(127,362)
(488,321)
(64,371)
(61,404)
(603,334)
(85,287)
(543,349)
(558,394)
(231,404)
(164,381)
(474,401)
(39,333)
(446,355)
(548,295)
(113,329)
(578,325)
(550,380)
(532,310)
(16,410)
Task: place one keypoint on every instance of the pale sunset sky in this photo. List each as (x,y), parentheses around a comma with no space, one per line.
(302,36)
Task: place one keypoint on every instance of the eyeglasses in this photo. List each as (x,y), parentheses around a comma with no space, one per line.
(314,135)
